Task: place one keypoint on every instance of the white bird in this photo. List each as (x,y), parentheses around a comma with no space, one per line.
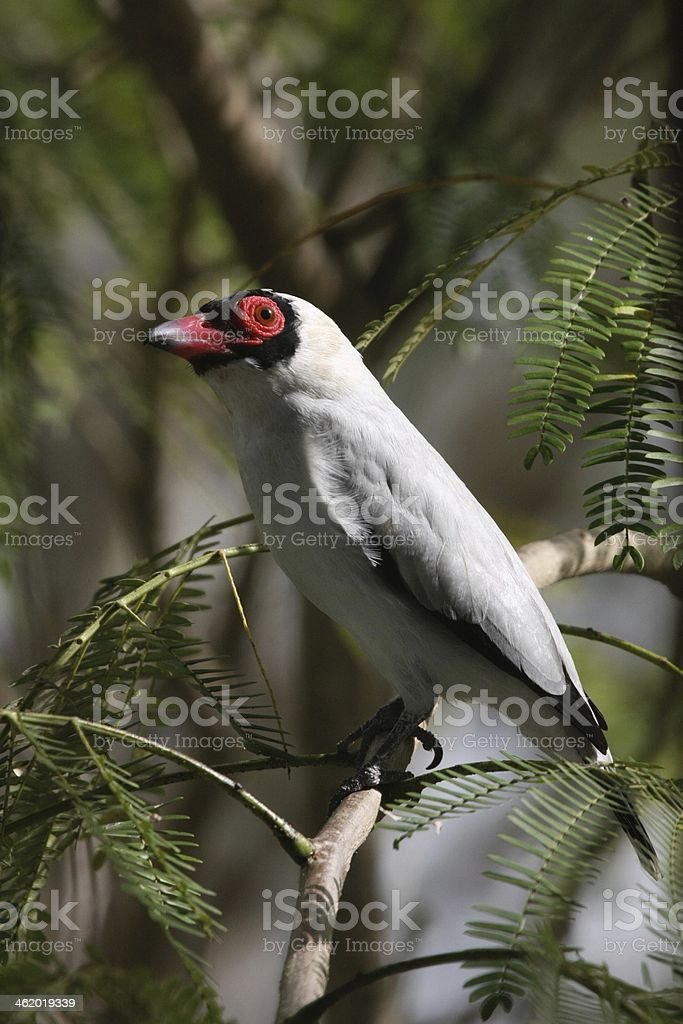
(373,527)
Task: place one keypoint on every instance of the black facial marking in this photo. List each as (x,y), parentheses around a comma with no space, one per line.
(221,315)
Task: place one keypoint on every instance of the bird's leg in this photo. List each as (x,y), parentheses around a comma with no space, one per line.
(383,721)
(377,770)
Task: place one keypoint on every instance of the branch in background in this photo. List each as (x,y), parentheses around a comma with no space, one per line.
(250,179)
(574,553)
(311,1013)
(253,764)
(307,967)
(576,972)
(411,189)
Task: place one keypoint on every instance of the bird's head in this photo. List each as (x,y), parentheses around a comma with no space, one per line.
(278,342)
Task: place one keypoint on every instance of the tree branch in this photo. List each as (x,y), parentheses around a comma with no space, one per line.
(588,633)
(249,177)
(574,553)
(310,1014)
(307,966)
(293,842)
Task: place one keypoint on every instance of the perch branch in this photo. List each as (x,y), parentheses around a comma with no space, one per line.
(307,966)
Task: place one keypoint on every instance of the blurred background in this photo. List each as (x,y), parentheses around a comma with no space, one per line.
(169,176)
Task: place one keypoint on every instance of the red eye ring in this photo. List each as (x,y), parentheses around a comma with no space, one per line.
(261,315)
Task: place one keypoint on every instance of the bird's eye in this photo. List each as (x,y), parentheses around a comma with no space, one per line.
(263,313)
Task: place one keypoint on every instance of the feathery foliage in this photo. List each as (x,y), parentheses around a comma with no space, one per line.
(136,994)
(75,764)
(615,292)
(511,228)
(562,827)
(619,298)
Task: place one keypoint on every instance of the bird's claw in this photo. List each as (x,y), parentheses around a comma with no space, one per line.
(382,722)
(370,776)
(373,773)
(430,742)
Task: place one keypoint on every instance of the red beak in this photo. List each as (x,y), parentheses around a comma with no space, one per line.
(190,336)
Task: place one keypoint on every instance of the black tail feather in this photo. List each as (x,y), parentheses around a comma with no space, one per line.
(626,815)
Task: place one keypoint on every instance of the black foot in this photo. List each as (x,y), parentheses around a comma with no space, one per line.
(383,721)
(400,725)
(370,776)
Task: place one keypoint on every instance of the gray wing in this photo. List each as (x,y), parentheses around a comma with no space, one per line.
(451,555)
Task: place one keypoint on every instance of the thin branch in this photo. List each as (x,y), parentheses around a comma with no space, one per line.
(208,530)
(255,650)
(253,764)
(293,842)
(623,645)
(579,973)
(411,189)
(74,645)
(311,1013)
